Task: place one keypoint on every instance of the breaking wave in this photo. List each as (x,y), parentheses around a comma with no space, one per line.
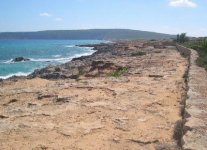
(15,74)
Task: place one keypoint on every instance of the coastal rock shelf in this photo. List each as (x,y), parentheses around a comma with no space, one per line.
(127,95)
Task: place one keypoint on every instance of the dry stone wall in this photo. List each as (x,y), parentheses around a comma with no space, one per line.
(195,137)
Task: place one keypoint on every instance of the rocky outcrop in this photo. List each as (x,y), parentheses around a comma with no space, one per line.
(19,59)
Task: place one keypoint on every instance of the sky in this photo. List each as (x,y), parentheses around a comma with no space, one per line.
(164,16)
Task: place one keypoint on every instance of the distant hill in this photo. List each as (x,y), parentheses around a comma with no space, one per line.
(92,34)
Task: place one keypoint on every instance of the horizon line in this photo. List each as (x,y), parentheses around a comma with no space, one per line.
(87,29)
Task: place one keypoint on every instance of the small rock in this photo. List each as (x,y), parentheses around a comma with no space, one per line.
(116,139)
(144,142)
(46,96)
(62,99)
(31,105)
(11,101)
(156,76)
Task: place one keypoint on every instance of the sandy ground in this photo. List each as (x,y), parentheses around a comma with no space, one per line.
(136,111)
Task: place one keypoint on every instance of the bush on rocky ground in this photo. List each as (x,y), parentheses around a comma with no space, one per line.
(200,45)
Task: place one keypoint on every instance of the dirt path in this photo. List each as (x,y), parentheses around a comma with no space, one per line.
(137,110)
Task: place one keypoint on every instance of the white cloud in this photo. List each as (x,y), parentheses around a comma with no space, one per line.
(58,19)
(182,3)
(45,14)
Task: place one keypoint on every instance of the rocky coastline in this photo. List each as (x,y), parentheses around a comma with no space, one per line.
(95,64)
(99,63)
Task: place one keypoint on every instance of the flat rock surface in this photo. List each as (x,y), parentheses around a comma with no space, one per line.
(137,110)
(196,107)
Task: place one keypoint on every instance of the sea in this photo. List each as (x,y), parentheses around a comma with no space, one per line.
(41,54)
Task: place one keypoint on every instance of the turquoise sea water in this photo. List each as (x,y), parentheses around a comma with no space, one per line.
(40,52)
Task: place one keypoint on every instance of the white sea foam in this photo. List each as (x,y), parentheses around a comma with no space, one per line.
(89,48)
(84,54)
(56,56)
(69,46)
(14,74)
(49,59)
(8,61)
(64,59)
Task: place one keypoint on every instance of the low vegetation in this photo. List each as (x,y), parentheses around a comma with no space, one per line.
(201,47)
(119,72)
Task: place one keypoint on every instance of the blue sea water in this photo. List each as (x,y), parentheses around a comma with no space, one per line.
(41,53)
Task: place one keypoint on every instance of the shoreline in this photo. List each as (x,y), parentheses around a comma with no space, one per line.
(59,71)
(25,75)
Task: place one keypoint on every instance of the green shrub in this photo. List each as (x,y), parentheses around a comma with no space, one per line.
(202,60)
(204,44)
(201,47)
(119,72)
